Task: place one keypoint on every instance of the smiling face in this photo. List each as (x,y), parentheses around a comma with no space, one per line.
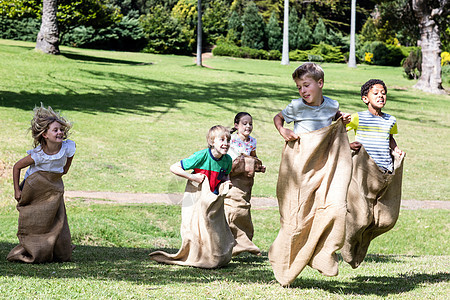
(54,133)
(375,99)
(245,126)
(310,90)
(220,146)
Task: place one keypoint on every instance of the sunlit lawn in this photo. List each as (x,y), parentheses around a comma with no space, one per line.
(135,114)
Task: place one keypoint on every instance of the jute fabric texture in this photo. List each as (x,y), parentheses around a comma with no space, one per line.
(313,180)
(373,204)
(43,231)
(237,203)
(207,241)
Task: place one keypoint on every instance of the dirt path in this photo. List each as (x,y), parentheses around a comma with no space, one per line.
(257,202)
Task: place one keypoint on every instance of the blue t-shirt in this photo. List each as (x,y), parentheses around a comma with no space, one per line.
(308,118)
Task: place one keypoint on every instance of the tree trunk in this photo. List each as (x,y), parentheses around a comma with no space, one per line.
(285,54)
(199,33)
(430,79)
(48,36)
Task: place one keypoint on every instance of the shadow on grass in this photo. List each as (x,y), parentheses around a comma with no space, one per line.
(133,264)
(106,91)
(100,60)
(374,285)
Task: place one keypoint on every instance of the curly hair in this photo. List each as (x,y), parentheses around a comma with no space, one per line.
(41,121)
(369,84)
(217,131)
(310,69)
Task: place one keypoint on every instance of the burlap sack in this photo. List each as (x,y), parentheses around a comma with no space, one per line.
(207,241)
(44,234)
(373,204)
(314,175)
(237,203)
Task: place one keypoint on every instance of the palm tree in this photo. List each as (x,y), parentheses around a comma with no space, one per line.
(48,37)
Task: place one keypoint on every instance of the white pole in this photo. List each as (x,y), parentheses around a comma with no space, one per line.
(352,56)
(199,33)
(285,53)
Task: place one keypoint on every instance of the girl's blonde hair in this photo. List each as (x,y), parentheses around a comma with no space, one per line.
(217,131)
(41,121)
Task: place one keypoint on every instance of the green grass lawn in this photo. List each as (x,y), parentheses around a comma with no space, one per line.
(136,114)
(113,242)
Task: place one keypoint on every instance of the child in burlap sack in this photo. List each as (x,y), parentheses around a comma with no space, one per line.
(237,202)
(373,200)
(43,233)
(312,182)
(207,241)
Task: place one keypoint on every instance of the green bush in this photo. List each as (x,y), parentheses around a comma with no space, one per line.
(383,54)
(327,52)
(298,55)
(446,74)
(227,49)
(19,29)
(412,65)
(319,53)
(274,55)
(127,35)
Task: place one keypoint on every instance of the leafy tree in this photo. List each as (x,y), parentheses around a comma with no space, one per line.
(320,32)
(304,34)
(127,35)
(334,38)
(59,17)
(293,29)
(432,16)
(163,32)
(253,27)
(215,20)
(274,35)
(234,28)
(424,20)
(369,31)
(185,12)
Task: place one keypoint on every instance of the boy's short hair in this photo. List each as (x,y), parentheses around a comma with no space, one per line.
(310,69)
(217,131)
(369,84)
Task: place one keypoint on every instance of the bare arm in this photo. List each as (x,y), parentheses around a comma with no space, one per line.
(393,145)
(23,163)
(67,165)
(286,133)
(178,170)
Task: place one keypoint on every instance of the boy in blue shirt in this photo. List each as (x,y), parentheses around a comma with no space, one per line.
(312,111)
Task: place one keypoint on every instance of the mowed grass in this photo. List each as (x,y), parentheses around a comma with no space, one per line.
(113,242)
(135,114)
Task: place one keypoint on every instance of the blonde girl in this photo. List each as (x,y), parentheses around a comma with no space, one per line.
(43,230)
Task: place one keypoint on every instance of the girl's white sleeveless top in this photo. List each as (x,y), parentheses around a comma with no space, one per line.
(51,163)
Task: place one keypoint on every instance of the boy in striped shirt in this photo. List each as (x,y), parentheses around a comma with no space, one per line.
(375,129)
